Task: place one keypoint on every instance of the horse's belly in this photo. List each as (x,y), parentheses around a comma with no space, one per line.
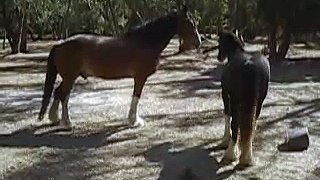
(107,70)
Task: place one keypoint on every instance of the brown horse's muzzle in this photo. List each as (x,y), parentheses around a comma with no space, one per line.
(190,44)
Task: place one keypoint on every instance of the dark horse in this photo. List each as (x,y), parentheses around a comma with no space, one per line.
(135,54)
(245,82)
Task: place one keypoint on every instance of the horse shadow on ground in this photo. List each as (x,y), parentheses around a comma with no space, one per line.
(60,137)
(17,108)
(308,108)
(198,87)
(184,121)
(193,163)
(302,69)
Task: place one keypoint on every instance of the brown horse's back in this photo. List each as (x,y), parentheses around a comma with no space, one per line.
(105,57)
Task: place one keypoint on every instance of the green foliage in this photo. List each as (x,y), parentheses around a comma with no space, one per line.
(302,14)
(115,16)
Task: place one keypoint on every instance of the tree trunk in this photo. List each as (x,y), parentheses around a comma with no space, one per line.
(4,39)
(16,27)
(233,11)
(113,18)
(284,44)
(64,28)
(272,43)
(4,23)
(22,27)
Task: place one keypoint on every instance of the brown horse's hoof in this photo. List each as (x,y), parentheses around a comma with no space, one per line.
(65,124)
(53,118)
(40,118)
(138,122)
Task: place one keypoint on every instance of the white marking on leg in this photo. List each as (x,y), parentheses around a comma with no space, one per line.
(227,131)
(134,118)
(230,153)
(246,154)
(53,112)
(246,148)
(65,113)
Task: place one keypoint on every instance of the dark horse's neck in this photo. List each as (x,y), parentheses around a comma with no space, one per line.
(235,52)
(156,34)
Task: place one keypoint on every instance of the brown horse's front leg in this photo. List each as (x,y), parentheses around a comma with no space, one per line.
(53,112)
(62,93)
(227,113)
(134,119)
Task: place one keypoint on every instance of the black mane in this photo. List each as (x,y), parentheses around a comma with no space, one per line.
(156,30)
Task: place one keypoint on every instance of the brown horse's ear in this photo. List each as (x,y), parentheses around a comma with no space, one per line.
(178,4)
(184,9)
(182,5)
(219,33)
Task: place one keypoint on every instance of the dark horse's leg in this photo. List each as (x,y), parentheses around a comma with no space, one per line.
(247,130)
(254,91)
(230,154)
(251,111)
(227,112)
(134,119)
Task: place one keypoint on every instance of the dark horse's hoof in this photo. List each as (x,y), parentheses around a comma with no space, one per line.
(243,166)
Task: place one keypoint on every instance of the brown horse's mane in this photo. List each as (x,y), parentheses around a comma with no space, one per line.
(155,30)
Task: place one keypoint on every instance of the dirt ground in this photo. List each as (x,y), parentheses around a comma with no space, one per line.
(182,106)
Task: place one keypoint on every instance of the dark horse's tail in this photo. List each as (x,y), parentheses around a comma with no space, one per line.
(250,84)
(51,76)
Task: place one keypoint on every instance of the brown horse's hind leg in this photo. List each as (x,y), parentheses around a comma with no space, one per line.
(134,119)
(53,112)
(247,129)
(62,93)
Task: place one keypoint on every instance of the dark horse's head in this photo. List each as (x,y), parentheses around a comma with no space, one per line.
(229,43)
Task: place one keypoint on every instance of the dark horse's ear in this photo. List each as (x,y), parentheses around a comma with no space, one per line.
(235,32)
(220,30)
(219,33)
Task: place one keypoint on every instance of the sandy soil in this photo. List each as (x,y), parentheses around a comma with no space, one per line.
(182,106)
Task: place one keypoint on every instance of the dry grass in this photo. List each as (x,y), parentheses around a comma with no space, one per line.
(183,109)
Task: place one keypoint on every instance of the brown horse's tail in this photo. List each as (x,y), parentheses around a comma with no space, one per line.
(51,76)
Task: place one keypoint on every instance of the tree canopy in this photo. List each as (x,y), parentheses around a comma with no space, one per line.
(61,18)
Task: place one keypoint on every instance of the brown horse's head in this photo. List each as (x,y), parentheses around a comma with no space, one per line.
(229,42)
(187,30)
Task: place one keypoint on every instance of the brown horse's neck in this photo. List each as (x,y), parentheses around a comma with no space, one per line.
(156,34)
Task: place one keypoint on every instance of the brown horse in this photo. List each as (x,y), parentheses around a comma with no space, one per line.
(134,54)
(245,81)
